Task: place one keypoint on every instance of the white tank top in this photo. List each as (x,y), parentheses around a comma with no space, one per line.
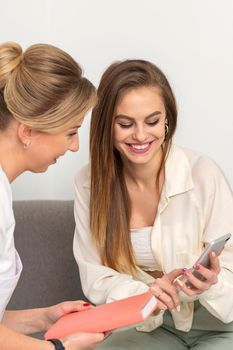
(141,242)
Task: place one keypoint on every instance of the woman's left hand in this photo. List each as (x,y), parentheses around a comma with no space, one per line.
(53,313)
(210,277)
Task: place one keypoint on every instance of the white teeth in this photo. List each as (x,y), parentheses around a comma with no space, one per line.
(140,146)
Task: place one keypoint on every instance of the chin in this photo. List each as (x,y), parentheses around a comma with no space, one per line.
(39,170)
(139,162)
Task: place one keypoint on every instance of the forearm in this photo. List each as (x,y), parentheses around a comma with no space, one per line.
(25,321)
(10,340)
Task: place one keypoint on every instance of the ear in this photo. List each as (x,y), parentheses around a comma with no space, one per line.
(25,134)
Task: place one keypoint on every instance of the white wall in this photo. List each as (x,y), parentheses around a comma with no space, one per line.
(191,40)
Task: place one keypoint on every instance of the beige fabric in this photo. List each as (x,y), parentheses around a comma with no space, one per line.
(216,335)
(196,206)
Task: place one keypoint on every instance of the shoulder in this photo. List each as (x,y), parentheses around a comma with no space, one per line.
(83,177)
(197,160)
(5,190)
(7,220)
(203,168)
(82,185)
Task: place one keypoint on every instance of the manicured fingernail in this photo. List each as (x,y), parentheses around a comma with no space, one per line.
(184,269)
(178,308)
(197,267)
(213,254)
(86,304)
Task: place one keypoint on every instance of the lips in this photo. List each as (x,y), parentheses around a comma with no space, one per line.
(139,148)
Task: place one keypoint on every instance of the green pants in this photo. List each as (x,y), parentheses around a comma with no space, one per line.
(207,333)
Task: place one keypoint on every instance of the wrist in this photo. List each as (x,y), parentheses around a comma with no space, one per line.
(58,345)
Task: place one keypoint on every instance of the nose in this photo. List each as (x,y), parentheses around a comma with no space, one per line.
(140,133)
(74,146)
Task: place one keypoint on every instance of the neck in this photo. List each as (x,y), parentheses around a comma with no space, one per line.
(11,154)
(10,167)
(143,174)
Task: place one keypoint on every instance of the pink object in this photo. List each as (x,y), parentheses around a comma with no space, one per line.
(106,317)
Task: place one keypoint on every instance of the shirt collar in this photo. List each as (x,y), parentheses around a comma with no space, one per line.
(178,174)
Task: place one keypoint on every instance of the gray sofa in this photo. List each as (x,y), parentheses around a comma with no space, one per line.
(44,237)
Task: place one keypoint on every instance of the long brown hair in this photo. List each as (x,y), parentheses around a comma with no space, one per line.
(110,207)
(42,88)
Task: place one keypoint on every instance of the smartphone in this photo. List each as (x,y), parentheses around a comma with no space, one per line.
(216,246)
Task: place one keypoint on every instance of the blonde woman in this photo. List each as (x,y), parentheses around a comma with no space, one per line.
(145,208)
(43,100)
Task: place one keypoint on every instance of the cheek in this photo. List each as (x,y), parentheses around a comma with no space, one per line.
(120,134)
(117,138)
(115,135)
(160,131)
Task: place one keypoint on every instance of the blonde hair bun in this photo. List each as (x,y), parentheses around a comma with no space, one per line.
(43,88)
(11,55)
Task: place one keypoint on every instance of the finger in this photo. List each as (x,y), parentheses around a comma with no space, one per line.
(174,274)
(84,306)
(161,305)
(196,283)
(157,293)
(214,262)
(170,290)
(167,300)
(208,275)
(185,289)
(163,296)
(72,306)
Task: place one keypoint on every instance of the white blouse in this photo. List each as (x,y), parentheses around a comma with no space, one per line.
(10,263)
(195,207)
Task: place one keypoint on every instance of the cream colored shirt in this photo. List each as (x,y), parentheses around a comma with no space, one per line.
(196,206)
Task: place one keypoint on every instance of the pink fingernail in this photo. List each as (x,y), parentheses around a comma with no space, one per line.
(184,270)
(197,267)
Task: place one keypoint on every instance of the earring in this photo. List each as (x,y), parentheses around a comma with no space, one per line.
(166,129)
(26,145)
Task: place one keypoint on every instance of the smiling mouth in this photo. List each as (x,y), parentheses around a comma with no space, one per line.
(139,148)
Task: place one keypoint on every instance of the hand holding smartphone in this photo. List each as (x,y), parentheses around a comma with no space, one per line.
(216,246)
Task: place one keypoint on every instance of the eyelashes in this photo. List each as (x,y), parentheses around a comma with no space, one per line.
(127,126)
(153,123)
(73,134)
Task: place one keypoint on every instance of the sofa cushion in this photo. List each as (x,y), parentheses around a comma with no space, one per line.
(44,239)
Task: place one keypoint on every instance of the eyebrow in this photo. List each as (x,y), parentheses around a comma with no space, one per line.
(75,127)
(131,118)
